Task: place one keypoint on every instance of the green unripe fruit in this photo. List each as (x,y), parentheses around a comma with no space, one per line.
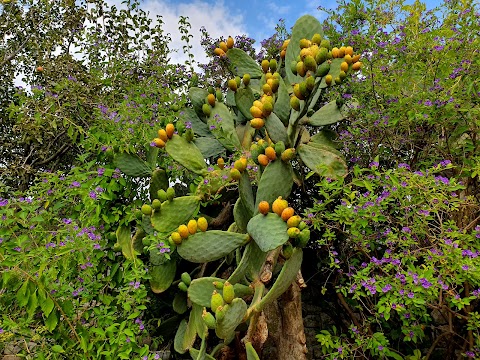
(138,215)
(267,108)
(279,148)
(265,65)
(221,311)
(321,56)
(146,210)
(186,278)
(206,109)
(287,250)
(182,286)
(238,80)
(232,85)
(293,232)
(338,81)
(273,65)
(218,95)
(228,292)
(246,79)
(317,39)
(310,63)
(156,204)
(303,238)
(170,193)
(211,90)
(342,75)
(301,69)
(180,125)
(310,83)
(189,135)
(304,90)
(216,301)
(302,225)
(218,285)
(297,92)
(323,69)
(235,174)
(325,43)
(162,195)
(293,67)
(209,319)
(295,103)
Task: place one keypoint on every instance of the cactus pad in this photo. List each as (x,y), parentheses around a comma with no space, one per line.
(209,146)
(197,96)
(282,103)
(242,63)
(269,231)
(326,115)
(251,353)
(233,317)
(124,239)
(244,99)
(132,165)
(174,213)
(186,154)
(276,180)
(222,126)
(158,181)
(276,129)
(323,162)
(162,276)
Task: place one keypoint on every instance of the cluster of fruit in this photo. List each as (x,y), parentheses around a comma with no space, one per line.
(184,231)
(224,46)
(263,152)
(156,206)
(210,100)
(164,135)
(234,84)
(219,303)
(239,166)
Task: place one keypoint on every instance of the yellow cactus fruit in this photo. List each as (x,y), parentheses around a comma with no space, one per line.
(317,39)
(228,292)
(216,301)
(270,153)
(263,159)
(230,42)
(342,75)
(287,213)
(258,104)
(288,154)
(328,79)
(221,163)
(240,165)
(267,108)
(310,83)
(355,58)
(183,231)
(294,221)
(267,89)
(211,100)
(310,63)
(305,52)
(202,224)
(169,129)
(256,112)
(266,98)
(348,59)
(268,75)
(305,43)
(341,51)
(192,227)
(325,43)
(314,49)
(246,79)
(257,123)
(304,89)
(263,207)
(162,134)
(344,66)
(357,66)
(335,52)
(297,92)
(293,232)
(219,52)
(273,65)
(176,238)
(232,85)
(349,51)
(159,142)
(295,103)
(337,80)
(265,65)
(279,205)
(223,46)
(260,142)
(283,53)
(285,44)
(301,69)
(235,174)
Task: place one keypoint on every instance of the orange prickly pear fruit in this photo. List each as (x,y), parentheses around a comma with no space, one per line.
(211,99)
(294,221)
(258,104)
(246,79)
(228,292)
(169,129)
(202,224)
(257,123)
(301,69)
(349,51)
(293,232)
(209,319)
(266,98)
(263,159)
(335,52)
(162,134)
(304,53)
(288,154)
(192,227)
(287,213)
(230,42)
(183,231)
(348,59)
(256,111)
(304,43)
(263,207)
(295,103)
(283,53)
(219,52)
(235,174)
(216,301)
(279,205)
(328,79)
(176,238)
(223,46)
(344,66)
(285,44)
(221,163)
(159,143)
(270,153)
(355,58)
(265,65)
(357,66)
(297,92)
(341,51)
(317,39)
(240,165)
(267,108)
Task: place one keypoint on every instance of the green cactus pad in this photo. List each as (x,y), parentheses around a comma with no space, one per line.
(269,231)
(323,162)
(157,258)
(249,265)
(244,99)
(186,154)
(325,147)
(326,115)
(240,214)
(197,96)
(326,137)
(209,146)
(194,353)
(276,129)
(222,126)
(137,240)
(241,63)
(210,245)
(179,304)
(282,104)
(251,353)
(246,194)
(233,317)
(199,127)
(158,181)
(200,326)
(287,275)
(124,239)
(201,289)
(152,155)
(175,213)
(132,165)
(179,338)
(162,276)
(334,71)
(276,180)
(305,27)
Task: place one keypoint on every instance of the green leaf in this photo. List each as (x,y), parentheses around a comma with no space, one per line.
(132,165)
(251,353)
(244,99)
(186,154)
(197,96)
(275,128)
(57,349)
(323,162)
(162,276)
(269,231)
(51,321)
(241,63)
(124,238)
(47,306)
(326,115)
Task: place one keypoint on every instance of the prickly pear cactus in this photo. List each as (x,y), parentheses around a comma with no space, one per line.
(264,121)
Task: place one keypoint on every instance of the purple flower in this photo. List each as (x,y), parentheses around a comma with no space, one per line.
(75,184)
(93,195)
(387,288)
(465,267)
